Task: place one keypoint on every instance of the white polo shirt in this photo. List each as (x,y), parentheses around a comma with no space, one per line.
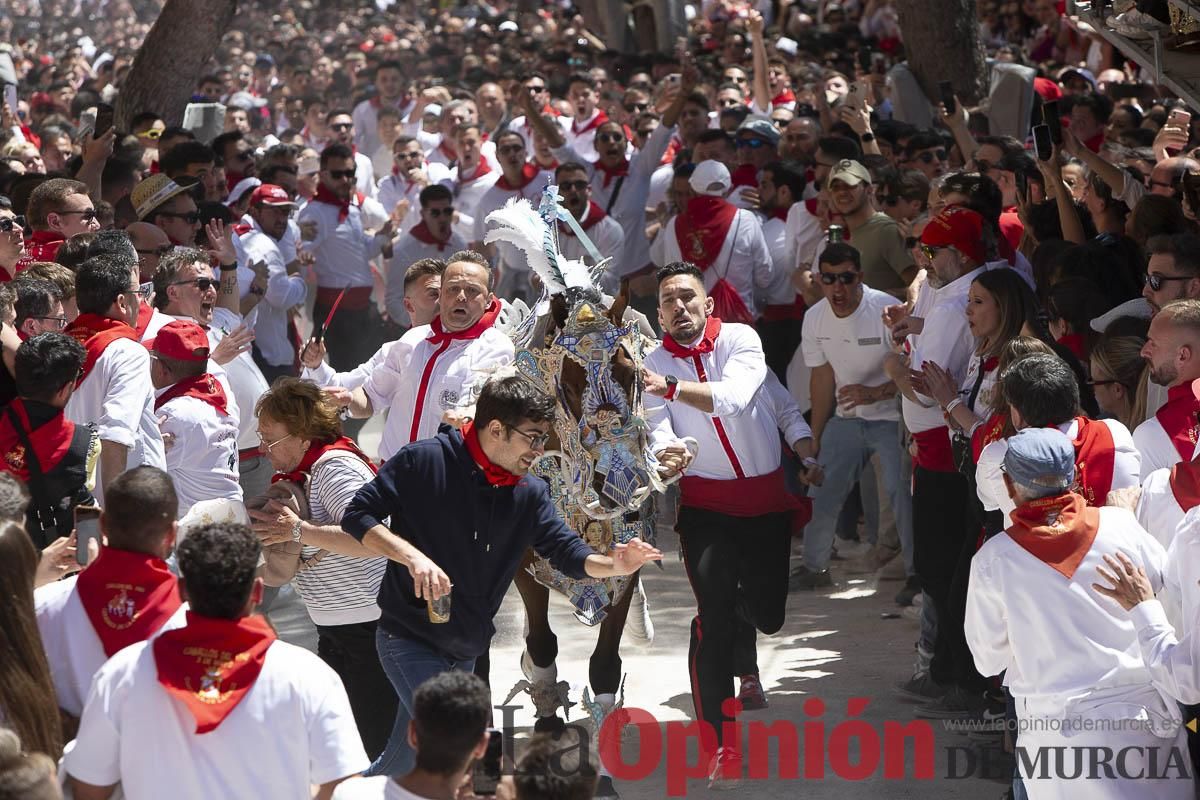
(856,346)
(421,380)
(202,452)
(73,649)
(135,733)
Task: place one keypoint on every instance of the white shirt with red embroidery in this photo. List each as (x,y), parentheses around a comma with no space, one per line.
(405,252)
(342,248)
(737,371)
(744,260)
(202,451)
(73,649)
(129,714)
(421,380)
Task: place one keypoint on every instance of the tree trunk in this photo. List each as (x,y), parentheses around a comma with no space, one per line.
(941,42)
(172,58)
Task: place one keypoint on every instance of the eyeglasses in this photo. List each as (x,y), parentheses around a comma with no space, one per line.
(190,217)
(930,251)
(610,137)
(59,322)
(1156,281)
(343,174)
(928,157)
(86,215)
(342,126)
(157,251)
(753,144)
(574,186)
(636,107)
(1101,383)
(844,278)
(203,284)
(537,441)
(8,223)
(268,445)
(437,213)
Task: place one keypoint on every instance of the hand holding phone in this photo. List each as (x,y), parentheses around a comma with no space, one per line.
(1042,143)
(104,119)
(946,90)
(487,771)
(87,530)
(1053,119)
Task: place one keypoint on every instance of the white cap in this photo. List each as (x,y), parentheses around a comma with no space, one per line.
(432,110)
(507,25)
(1137,307)
(711,178)
(240,188)
(786,45)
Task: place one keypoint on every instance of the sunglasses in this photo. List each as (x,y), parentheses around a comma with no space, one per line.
(536,88)
(574,186)
(8,223)
(753,144)
(1156,281)
(87,214)
(636,107)
(153,133)
(437,213)
(930,251)
(610,137)
(191,217)
(406,156)
(157,251)
(203,284)
(342,126)
(929,158)
(844,278)
(343,174)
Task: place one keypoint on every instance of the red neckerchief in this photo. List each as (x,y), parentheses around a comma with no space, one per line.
(481,169)
(212,663)
(528,173)
(1185,484)
(707,343)
(496,476)
(1095,143)
(1095,460)
(314,453)
(1178,419)
(779,213)
(232,179)
(591,216)
(985,434)
(127,596)
(202,387)
(599,119)
(421,233)
(43,245)
(50,442)
(323,195)
(1074,343)
(241,229)
(1058,530)
(783,98)
(438,336)
(673,147)
(620,170)
(701,229)
(444,149)
(145,314)
(745,175)
(96,333)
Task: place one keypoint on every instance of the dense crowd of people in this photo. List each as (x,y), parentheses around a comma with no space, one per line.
(885,341)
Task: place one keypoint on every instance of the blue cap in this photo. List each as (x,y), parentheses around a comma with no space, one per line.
(1041,459)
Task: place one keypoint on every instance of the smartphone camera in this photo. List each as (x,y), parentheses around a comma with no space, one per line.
(486,775)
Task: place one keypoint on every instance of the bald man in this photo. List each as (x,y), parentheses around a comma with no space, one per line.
(492,104)
(151,245)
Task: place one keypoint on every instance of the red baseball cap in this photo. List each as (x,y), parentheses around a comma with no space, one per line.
(1048,89)
(958,227)
(180,340)
(268,194)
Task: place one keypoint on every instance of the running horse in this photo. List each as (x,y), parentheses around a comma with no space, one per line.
(600,469)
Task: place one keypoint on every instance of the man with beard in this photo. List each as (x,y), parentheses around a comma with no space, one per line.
(1172,352)
(604,231)
(887,264)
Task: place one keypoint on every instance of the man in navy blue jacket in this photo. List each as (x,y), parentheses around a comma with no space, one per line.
(462,511)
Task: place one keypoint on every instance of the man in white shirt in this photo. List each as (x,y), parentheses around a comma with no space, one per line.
(472,176)
(854,414)
(1172,351)
(449,732)
(705,383)
(604,231)
(584,99)
(198,427)
(434,370)
(332,229)
(433,238)
(390,92)
(114,394)
(202,716)
(725,242)
(341,129)
(399,190)
(1069,656)
(780,186)
(126,595)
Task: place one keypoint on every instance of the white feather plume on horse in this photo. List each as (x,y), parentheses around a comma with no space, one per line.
(520,224)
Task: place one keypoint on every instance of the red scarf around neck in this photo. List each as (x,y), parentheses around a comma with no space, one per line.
(1095,460)
(702,228)
(1178,419)
(591,216)
(783,98)
(212,663)
(481,169)
(438,335)
(620,170)
(1076,344)
(1058,530)
(745,175)
(96,333)
(202,387)
(496,476)
(145,314)
(127,596)
(50,442)
(421,233)
(707,343)
(1185,484)
(528,173)
(314,453)
(597,120)
(323,195)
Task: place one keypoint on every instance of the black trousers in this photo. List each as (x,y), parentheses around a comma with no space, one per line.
(732,563)
(780,338)
(939,533)
(352,337)
(350,650)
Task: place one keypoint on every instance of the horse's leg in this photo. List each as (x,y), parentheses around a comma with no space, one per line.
(540,641)
(604,668)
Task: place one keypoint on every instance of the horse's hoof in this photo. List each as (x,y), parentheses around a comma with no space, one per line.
(605,789)
(549,725)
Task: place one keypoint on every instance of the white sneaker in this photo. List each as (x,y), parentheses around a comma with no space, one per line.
(638,621)
(1134,24)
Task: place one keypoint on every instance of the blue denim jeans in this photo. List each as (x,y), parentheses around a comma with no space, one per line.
(408,663)
(846,447)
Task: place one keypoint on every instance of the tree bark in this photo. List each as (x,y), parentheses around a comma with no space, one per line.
(941,42)
(172,58)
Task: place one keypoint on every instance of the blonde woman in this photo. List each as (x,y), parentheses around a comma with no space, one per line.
(1119,376)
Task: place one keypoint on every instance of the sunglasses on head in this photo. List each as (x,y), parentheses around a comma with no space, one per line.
(343,174)
(610,137)
(203,284)
(436,213)
(929,158)
(844,278)
(342,126)
(753,144)
(8,223)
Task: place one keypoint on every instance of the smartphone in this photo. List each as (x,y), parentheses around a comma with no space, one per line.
(10,97)
(1042,143)
(856,98)
(1053,120)
(87,530)
(486,775)
(946,90)
(1180,118)
(864,59)
(104,119)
